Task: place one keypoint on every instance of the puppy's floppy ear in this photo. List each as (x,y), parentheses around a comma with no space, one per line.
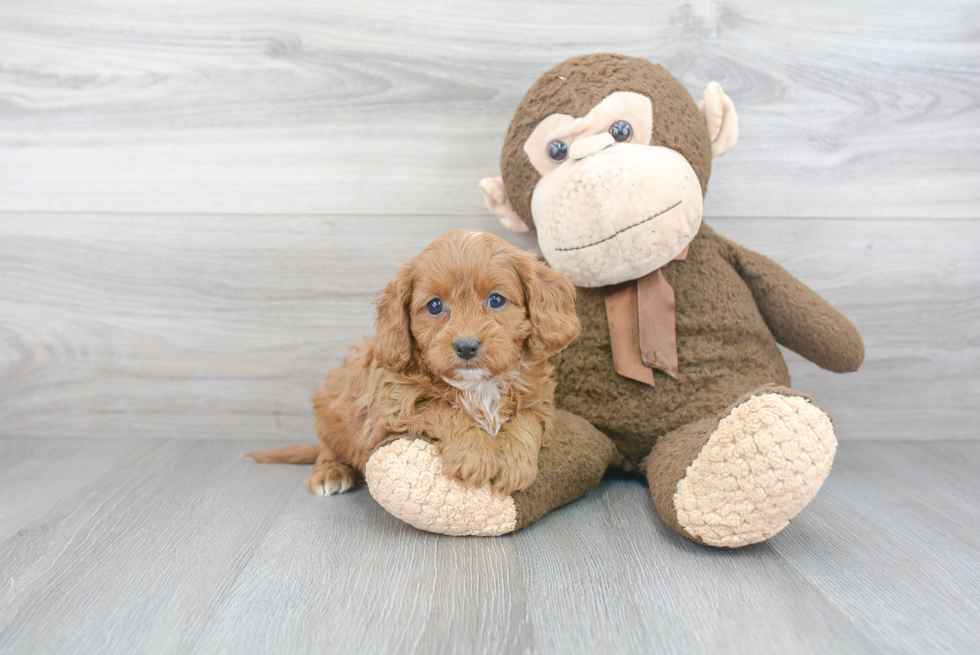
(550,298)
(393,336)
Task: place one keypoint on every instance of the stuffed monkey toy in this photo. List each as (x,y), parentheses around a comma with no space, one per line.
(676,376)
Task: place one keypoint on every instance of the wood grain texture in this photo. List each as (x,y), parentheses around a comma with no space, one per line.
(180,546)
(913,290)
(867,109)
(221,326)
(919,504)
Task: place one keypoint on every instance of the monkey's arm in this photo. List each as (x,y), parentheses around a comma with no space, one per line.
(799,318)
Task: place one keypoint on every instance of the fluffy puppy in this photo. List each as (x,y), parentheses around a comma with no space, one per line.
(459,356)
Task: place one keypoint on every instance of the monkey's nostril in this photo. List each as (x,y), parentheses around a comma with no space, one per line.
(467,348)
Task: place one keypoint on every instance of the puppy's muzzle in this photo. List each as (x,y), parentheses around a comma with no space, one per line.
(467,348)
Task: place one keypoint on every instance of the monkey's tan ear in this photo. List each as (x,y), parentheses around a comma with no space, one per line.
(719,114)
(495,195)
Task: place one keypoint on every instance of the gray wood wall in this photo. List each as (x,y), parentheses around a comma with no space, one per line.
(198,200)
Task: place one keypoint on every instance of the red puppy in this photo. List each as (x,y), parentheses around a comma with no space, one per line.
(460,355)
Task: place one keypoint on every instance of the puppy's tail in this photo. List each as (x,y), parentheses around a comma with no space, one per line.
(305,454)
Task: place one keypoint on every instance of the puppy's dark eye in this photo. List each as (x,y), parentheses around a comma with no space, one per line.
(621,131)
(558,150)
(434,307)
(496,301)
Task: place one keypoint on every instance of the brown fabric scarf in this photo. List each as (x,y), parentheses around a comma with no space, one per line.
(642,326)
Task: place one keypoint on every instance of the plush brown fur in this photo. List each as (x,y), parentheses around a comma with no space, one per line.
(732,305)
(489,415)
(577,85)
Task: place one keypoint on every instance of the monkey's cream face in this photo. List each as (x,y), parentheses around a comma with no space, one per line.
(610,207)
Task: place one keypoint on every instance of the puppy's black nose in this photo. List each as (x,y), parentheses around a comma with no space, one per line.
(467,347)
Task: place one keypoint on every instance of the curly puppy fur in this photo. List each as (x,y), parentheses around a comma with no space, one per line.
(490,414)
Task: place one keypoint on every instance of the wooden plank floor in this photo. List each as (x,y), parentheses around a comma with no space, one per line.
(157,545)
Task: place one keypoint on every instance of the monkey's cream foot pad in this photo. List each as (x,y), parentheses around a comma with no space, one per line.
(760,467)
(406,478)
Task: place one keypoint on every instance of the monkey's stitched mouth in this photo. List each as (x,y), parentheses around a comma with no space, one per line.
(618,232)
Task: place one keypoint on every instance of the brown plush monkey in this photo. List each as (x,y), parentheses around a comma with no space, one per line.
(677,374)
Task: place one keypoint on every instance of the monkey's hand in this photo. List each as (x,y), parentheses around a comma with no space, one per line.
(799,318)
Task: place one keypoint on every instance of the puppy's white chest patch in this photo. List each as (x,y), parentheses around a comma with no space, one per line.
(480,398)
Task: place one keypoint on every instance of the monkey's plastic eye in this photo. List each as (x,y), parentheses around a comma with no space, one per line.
(621,131)
(434,307)
(496,301)
(558,150)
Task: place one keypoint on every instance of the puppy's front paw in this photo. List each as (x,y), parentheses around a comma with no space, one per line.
(330,478)
(473,463)
(518,467)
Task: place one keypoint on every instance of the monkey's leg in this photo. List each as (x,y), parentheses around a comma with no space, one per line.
(405,477)
(739,478)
